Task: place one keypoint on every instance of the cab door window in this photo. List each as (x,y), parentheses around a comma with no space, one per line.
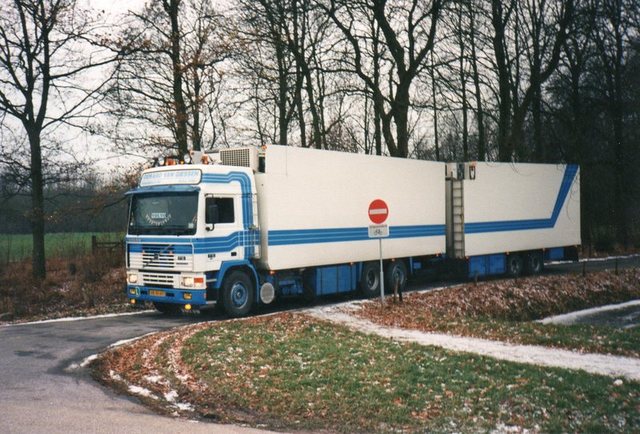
(220,210)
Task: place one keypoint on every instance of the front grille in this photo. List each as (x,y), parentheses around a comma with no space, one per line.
(176,257)
(158,260)
(162,280)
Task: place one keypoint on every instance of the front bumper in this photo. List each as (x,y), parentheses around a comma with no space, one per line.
(194,297)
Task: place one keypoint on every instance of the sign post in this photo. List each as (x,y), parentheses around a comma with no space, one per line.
(378,213)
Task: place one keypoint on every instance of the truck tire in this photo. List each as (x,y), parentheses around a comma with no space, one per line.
(237,294)
(514,265)
(534,263)
(395,270)
(166,308)
(370,279)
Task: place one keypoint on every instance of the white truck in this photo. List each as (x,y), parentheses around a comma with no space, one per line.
(254,224)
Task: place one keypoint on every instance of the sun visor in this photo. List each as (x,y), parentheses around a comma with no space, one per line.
(164,189)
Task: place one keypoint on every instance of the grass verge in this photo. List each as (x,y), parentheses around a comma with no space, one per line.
(292,372)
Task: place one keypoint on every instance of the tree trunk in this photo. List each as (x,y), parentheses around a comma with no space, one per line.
(505,150)
(436,138)
(37,206)
(401,118)
(172,8)
(463,88)
(618,112)
(482,152)
(196,137)
(377,113)
(283,124)
(300,106)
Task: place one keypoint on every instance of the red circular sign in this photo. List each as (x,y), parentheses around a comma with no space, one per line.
(378,211)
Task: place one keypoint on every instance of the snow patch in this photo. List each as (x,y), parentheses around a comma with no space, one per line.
(155,379)
(608,258)
(184,406)
(128,341)
(171,396)
(510,429)
(571,317)
(141,391)
(115,376)
(78,318)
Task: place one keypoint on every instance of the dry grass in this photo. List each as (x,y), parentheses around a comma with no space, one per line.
(81,285)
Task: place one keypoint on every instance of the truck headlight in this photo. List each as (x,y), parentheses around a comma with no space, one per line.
(193,281)
(132,278)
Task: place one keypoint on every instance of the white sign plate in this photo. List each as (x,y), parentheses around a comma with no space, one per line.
(191,176)
(378,231)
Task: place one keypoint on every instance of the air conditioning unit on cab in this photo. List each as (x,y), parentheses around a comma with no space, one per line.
(242,157)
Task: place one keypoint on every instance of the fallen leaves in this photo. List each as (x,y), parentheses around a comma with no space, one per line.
(503,309)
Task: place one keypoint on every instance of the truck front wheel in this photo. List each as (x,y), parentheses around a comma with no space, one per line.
(237,294)
(370,279)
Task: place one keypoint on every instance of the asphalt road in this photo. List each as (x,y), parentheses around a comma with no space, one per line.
(40,394)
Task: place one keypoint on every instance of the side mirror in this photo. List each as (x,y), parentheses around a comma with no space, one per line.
(212,215)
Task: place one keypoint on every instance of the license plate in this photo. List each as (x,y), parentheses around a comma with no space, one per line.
(157,293)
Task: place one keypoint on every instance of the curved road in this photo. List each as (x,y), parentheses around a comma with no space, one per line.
(40,394)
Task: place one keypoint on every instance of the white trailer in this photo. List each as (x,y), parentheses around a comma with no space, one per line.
(282,221)
(509,217)
(313,207)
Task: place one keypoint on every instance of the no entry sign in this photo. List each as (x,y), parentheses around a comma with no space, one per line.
(378,211)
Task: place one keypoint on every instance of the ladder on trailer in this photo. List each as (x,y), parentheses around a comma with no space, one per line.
(457,217)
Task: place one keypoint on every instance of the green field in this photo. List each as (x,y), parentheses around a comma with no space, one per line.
(15,247)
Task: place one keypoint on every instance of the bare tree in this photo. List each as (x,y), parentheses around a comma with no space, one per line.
(269,64)
(538,28)
(473,37)
(169,86)
(613,31)
(43,55)
(408,30)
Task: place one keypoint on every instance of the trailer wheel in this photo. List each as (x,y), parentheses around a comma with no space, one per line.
(514,265)
(237,294)
(370,279)
(166,308)
(395,271)
(534,264)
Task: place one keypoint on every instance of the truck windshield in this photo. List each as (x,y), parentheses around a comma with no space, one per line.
(163,214)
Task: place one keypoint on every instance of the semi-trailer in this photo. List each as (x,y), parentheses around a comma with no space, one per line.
(246,226)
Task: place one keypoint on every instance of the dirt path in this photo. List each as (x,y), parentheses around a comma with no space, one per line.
(614,366)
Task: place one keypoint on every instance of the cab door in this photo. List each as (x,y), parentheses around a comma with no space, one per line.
(224,227)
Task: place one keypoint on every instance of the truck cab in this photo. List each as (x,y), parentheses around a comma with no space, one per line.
(188,227)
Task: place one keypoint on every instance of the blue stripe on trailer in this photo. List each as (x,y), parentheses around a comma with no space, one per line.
(276,238)
(522,225)
(337,235)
